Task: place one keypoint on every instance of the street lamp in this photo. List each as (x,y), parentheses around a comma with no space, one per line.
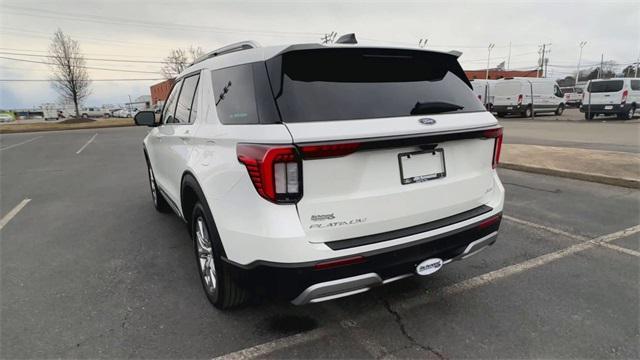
(582,44)
(491,46)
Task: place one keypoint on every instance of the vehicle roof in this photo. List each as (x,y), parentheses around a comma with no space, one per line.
(597,80)
(262,53)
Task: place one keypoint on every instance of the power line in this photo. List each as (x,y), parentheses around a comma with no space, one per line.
(138,23)
(50,80)
(92,59)
(84,67)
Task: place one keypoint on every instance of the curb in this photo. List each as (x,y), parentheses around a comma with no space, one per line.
(22,131)
(602,179)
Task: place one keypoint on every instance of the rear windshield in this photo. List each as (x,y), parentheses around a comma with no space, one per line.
(568,90)
(605,86)
(346,84)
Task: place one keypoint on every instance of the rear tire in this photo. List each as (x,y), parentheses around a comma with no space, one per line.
(159,202)
(628,115)
(221,290)
(527,112)
(588,116)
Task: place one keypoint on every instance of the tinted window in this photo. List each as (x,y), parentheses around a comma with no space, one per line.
(344,84)
(185,100)
(170,105)
(243,95)
(635,84)
(605,86)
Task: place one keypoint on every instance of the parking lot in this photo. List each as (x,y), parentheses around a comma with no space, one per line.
(90,270)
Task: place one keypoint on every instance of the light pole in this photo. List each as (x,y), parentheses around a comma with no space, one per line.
(582,44)
(491,46)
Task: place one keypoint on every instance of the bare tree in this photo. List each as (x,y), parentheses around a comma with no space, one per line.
(70,77)
(178,60)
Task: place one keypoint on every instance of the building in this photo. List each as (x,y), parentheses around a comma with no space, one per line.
(496,73)
(160,92)
(140,103)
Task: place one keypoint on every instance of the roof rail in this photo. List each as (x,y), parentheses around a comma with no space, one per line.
(239,46)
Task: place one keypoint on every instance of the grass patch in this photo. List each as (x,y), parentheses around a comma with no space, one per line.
(71,124)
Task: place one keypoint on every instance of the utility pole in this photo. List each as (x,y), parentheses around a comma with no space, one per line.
(543,51)
(491,46)
(637,63)
(601,64)
(582,44)
(509,57)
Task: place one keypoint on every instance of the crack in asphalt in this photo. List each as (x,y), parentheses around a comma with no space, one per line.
(403,329)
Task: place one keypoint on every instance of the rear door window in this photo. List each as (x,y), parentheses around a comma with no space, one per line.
(635,84)
(185,100)
(605,86)
(346,84)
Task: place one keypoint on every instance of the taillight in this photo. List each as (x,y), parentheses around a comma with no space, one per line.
(495,134)
(328,150)
(625,94)
(490,221)
(520,98)
(275,171)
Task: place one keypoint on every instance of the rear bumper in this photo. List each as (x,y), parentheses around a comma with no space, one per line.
(302,283)
(602,109)
(508,109)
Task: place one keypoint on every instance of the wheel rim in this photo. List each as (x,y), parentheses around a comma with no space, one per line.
(631,111)
(152,185)
(205,256)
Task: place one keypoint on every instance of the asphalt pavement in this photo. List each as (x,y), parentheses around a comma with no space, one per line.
(600,134)
(88,269)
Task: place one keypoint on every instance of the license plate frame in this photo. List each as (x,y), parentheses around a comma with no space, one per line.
(608,107)
(412,178)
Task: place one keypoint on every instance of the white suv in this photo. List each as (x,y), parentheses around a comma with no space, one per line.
(313,172)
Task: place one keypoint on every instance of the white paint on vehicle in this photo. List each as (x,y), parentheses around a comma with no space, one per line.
(20,143)
(11,214)
(87,143)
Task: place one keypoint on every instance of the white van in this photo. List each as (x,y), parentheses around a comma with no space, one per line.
(524,96)
(572,95)
(611,96)
(484,91)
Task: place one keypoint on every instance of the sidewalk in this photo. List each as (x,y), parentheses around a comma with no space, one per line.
(607,167)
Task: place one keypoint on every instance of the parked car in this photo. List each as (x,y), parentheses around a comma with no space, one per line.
(572,96)
(92,112)
(369,165)
(484,90)
(525,96)
(6,117)
(619,97)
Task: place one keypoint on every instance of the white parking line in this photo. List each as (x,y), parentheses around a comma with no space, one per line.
(621,249)
(278,344)
(475,282)
(10,215)
(492,276)
(88,142)
(20,143)
(546,228)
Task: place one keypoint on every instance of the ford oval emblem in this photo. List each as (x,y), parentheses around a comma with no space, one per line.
(427,121)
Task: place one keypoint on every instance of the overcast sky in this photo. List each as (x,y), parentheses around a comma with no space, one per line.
(147,30)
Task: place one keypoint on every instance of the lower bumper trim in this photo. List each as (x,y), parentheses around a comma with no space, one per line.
(334,289)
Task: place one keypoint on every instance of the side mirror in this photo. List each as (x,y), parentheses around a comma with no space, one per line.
(145,118)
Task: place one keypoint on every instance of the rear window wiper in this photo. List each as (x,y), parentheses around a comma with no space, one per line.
(434,107)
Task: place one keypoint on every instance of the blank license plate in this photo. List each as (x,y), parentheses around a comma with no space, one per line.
(608,107)
(421,166)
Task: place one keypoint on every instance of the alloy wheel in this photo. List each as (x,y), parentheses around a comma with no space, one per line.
(205,256)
